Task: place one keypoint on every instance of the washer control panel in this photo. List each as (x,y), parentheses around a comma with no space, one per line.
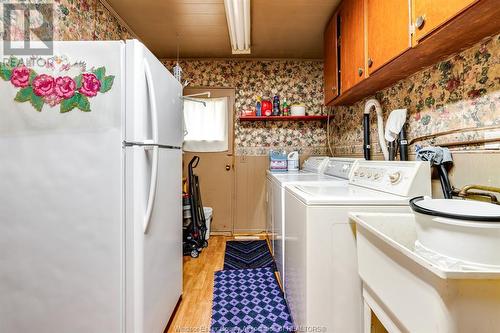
(405,178)
(316,164)
(340,167)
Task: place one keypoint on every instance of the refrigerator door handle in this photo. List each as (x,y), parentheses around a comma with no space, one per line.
(152,100)
(152,187)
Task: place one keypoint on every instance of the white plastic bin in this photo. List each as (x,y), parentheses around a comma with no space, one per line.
(208,219)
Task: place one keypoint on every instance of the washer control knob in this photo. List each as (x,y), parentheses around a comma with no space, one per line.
(395,177)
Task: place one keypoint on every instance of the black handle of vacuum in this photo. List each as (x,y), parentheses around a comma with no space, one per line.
(366,136)
(445,181)
(403,145)
(194,162)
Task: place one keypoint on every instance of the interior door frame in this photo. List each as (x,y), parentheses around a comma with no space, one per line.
(216,92)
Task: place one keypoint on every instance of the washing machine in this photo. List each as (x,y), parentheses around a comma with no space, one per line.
(335,171)
(312,168)
(324,291)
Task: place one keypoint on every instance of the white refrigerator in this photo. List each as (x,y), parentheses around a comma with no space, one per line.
(90,190)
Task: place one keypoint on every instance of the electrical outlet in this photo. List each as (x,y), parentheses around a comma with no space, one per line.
(492,135)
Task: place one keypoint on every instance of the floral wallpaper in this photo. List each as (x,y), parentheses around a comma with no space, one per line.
(462,91)
(87,20)
(74,20)
(299,81)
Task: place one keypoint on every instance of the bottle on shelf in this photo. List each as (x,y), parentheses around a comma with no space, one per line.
(267,107)
(276,106)
(258,107)
(285,108)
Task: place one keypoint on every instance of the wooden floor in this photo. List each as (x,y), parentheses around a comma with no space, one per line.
(194,311)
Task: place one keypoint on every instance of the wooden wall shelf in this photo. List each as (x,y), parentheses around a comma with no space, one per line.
(284,118)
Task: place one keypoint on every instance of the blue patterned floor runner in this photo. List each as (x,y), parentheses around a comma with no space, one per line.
(248,254)
(249,300)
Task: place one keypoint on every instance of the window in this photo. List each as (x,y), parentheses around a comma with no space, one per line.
(206,126)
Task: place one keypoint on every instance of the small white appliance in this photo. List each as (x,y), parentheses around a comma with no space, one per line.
(334,171)
(91,208)
(321,277)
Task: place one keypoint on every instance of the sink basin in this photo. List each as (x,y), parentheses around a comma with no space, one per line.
(410,293)
(462,230)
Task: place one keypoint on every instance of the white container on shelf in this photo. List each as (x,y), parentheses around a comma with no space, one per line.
(298,110)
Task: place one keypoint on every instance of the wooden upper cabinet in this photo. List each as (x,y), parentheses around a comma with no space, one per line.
(331,70)
(388,31)
(431,14)
(352,44)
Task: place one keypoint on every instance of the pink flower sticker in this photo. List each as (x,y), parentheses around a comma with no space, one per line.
(65,87)
(90,85)
(43,85)
(20,77)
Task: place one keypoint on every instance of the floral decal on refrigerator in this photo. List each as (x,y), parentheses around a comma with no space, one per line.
(69,92)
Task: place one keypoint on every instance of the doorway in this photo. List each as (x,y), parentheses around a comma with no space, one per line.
(215,149)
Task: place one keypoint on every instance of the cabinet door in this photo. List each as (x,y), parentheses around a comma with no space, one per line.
(388,30)
(352,44)
(331,70)
(431,14)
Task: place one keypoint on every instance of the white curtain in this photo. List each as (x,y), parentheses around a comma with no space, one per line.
(206,126)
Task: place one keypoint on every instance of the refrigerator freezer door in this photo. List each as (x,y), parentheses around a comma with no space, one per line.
(154,253)
(154,104)
(61,206)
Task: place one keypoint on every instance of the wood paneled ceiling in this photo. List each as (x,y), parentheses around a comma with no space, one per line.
(280,28)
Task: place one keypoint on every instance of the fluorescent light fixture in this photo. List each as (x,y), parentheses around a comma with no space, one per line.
(238,21)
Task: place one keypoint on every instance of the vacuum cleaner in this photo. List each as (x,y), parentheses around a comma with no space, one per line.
(194,232)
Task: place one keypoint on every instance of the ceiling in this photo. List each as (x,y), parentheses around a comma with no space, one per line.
(280,28)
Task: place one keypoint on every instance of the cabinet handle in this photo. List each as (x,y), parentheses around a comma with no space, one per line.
(334,89)
(370,62)
(360,71)
(419,22)
(228,167)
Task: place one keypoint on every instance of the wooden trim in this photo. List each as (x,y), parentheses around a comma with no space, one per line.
(221,233)
(119,18)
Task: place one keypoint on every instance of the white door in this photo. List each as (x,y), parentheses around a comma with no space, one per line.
(151,86)
(154,236)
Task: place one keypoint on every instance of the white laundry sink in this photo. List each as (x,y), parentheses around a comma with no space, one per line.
(410,293)
(463,233)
